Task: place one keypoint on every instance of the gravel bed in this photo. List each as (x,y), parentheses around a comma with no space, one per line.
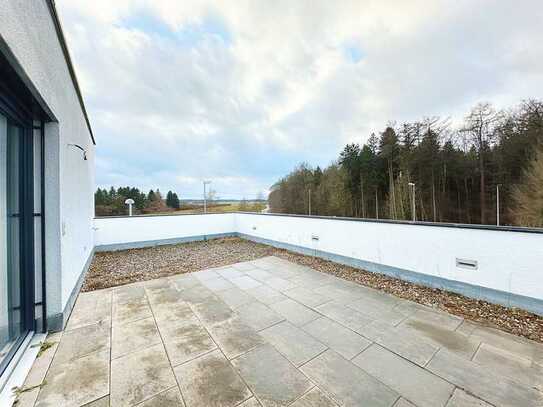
(110,269)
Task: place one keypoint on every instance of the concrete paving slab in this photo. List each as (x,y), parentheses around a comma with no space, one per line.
(140,375)
(509,364)
(245,282)
(184,281)
(89,312)
(440,319)
(511,343)
(372,310)
(296,345)
(347,384)
(244,266)
(133,336)
(206,274)
(252,402)
(168,398)
(411,381)
(294,312)
(169,295)
(81,342)
(404,403)
(266,294)
(211,381)
(345,316)
(77,382)
(128,293)
(342,340)
(483,383)
(234,337)
(230,273)
(462,399)
(103,402)
(400,341)
(131,311)
(280,284)
(212,311)
(218,284)
(196,295)
(435,335)
(307,297)
(258,316)
(172,314)
(314,398)
(259,274)
(273,380)
(193,343)
(235,297)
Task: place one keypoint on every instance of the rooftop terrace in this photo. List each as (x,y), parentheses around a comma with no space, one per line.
(270,332)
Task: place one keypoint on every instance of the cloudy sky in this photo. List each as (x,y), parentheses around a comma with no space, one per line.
(239,92)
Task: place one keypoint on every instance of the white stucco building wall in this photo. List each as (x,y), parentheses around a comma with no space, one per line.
(30,36)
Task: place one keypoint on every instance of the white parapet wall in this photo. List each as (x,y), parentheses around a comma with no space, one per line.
(116,233)
(501,265)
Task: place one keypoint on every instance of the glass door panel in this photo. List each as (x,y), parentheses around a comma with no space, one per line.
(12,304)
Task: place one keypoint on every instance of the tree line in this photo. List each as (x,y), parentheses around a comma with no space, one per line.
(112,202)
(453,172)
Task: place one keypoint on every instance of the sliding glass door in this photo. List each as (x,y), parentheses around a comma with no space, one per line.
(13,293)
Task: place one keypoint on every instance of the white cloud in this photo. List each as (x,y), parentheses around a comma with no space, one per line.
(243,91)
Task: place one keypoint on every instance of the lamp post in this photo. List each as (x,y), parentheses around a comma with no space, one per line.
(129,202)
(498,204)
(205,197)
(413,209)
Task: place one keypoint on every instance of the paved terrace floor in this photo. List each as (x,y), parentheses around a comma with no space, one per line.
(272,333)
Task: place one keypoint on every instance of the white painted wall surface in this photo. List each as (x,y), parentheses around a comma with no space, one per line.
(508,261)
(116,231)
(28,30)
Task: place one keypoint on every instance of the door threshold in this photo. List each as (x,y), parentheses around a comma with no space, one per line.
(19,367)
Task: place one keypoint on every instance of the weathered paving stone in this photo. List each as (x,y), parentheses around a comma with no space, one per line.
(103,402)
(171,314)
(245,266)
(193,343)
(212,311)
(307,297)
(347,384)
(211,381)
(511,365)
(196,295)
(411,381)
(235,297)
(454,342)
(245,282)
(168,295)
(260,275)
(342,340)
(293,343)
(168,398)
(403,403)
(440,319)
(128,293)
(234,337)
(81,342)
(230,273)
(252,402)
(206,274)
(482,382)
(77,382)
(345,316)
(294,312)
(218,284)
(90,310)
(273,380)
(314,398)
(184,281)
(511,343)
(131,311)
(379,312)
(405,343)
(140,375)
(280,284)
(266,295)
(462,399)
(258,316)
(133,336)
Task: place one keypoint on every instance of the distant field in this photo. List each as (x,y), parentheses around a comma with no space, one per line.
(223,208)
